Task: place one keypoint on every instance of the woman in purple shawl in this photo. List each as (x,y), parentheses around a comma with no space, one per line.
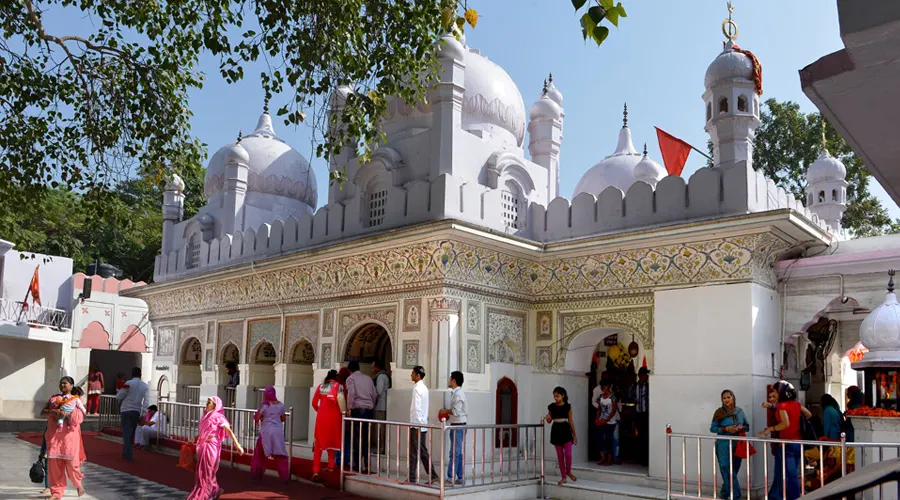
(270,443)
(214,428)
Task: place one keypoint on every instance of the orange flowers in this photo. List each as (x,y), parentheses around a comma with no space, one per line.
(867,411)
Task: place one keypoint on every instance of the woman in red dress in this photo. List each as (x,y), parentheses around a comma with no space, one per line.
(95,385)
(328,402)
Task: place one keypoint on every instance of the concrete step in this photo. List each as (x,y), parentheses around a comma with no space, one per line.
(625,475)
(371,487)
(596,490)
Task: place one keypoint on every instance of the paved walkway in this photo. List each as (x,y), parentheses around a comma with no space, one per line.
(151,476)
(101,483)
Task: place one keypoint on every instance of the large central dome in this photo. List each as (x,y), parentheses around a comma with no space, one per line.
(493,107)
(615,170)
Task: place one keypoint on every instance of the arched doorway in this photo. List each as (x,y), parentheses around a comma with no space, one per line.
(230,356)
(162,388)
(189,374)
(263,359)
(507,413)
(371,342)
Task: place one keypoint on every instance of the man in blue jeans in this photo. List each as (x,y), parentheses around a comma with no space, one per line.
(456,414)
(134,399)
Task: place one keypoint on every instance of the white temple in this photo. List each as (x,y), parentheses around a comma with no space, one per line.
(453,250)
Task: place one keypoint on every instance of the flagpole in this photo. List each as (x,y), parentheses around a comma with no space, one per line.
(701,152)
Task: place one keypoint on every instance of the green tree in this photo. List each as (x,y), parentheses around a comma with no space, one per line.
(85,110)
(788,141)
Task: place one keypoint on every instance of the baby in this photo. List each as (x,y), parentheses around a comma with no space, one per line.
(68,404)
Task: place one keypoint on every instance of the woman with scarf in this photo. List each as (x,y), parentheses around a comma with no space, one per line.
(65,451)
(729,420)
(214,428)
(328,402)
(270,443)
(787,456)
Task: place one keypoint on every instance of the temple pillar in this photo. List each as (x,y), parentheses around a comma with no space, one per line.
(292,384)
(444,340)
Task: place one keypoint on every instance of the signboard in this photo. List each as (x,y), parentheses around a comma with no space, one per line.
(611,340)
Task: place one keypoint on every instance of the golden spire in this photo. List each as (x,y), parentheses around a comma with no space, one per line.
(824,141)
(729,27)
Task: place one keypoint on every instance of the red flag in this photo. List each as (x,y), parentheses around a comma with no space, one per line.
(644,364)
(34,288)
(674,151)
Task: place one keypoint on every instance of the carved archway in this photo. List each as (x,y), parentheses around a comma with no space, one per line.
(191,352)
(637,322)
(507,413)
(230,353)
(264,354)
(370,342)
(302,353)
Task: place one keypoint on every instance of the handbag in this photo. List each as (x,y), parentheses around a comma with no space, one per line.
(744,449)
(37,472)
(187,459)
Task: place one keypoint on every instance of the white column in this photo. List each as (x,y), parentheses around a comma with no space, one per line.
(292,383)
(445,344)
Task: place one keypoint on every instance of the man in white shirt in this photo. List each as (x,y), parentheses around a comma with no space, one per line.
(149,428)
(418,437)
(134,398)
(457,415)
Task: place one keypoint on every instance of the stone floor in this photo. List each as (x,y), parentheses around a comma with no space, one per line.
(100,482)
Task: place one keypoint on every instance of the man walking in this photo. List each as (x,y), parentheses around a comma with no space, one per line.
(134,398)
(418,437)
(640,396)
(456,414)
(361,398)
(382,384)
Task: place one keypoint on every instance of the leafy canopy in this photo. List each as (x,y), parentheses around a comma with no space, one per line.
(597,11)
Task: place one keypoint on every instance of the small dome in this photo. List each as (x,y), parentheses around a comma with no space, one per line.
(545,107)
(826,168)
(275,168)
(448,47)
(729,64)
(175,183)
(648,170)
(616,169)
(880,331)
(553,93)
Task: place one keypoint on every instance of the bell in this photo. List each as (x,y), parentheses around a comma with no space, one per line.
(633,349)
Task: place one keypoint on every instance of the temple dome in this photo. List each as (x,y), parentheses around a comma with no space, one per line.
(727,65)
(880,331)
(647,170)
(826,168)
(615,170)
(545,107)
(492,104)
(275,168)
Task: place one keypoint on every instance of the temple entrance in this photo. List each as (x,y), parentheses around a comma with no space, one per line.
(263,368)
(189,375)
(370,343)
(112,363)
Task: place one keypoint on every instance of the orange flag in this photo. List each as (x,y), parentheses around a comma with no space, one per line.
(674,151)
(34,288)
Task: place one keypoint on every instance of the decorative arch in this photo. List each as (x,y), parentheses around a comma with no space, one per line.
(133,340)
(362,319)
(723,105)
(264,353)
(162,387)
(230,352)
(370,342)
(191,352)
(502,166)
(636,321)
(94,336)
(742,104)
(302,352)
(507,396)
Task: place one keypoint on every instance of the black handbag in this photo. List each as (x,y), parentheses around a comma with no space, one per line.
(37,472)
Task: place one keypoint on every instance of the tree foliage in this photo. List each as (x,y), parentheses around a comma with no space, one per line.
(788,141)
(82,111)
(597,11)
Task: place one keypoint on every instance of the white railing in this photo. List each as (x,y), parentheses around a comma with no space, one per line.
(230,400)
(189,394)
(184,425)
(491,454)
(18,312)
(109,412)
(814,471)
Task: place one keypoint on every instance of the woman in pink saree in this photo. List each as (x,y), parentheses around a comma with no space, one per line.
(65,450)
(270,444)
(214,428)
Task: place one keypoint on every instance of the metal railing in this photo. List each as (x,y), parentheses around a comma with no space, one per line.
(490,454)
(18,312)
(109,412)
(184,425)
(819,463)
(230,400)
(189,394)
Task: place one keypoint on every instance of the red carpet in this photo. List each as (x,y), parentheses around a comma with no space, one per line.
(161,468)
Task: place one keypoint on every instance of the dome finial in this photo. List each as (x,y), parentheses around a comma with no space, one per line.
(240,136)
(891,281)
(625,116)
(266,104)
(824,141)
(544,92)
(550,78)
(729,27)
(645,149)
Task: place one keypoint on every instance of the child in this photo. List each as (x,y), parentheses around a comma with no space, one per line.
(68,404)
(562,432)
(607,419)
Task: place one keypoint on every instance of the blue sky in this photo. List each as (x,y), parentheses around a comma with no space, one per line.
(655,61)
